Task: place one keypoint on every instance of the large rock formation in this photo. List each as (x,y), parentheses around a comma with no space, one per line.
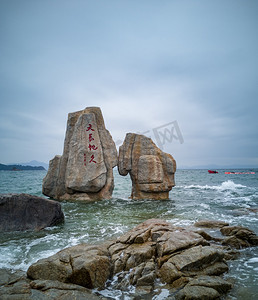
(84,171)
(28,212)
(151,170)
(187,260)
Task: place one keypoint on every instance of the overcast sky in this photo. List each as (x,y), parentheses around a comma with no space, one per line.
(146,63)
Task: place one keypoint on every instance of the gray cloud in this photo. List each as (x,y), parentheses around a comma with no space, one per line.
(144,63)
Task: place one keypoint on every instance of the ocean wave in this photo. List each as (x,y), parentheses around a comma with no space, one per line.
(224,186)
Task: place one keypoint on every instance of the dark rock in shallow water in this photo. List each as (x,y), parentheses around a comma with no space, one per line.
(27,212)
(211,224)
(239,237)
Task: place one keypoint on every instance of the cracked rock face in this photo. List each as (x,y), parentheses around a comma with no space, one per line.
(85,170)
(188,262)
(16,286)
(156,249)
(151,170)
(85,265)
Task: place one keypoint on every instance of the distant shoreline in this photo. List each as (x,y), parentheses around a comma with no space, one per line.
(20,168)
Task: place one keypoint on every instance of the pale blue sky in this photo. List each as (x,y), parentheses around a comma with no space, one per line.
(145,63)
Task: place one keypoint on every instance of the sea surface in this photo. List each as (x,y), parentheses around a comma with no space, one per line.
(197,195)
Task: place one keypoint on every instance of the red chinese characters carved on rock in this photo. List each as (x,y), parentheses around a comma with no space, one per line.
(90,128)
(92,159)
(91,138)
(91,147)
(84,159)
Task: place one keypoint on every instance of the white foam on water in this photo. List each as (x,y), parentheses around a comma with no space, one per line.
(162,295)
(226,185)
(180,222)
(112,292)
(230,185)
(206,206)
(253,260)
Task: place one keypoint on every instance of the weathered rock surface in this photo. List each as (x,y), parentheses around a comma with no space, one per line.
(16,286)
(239,237)
(85,265)
(85,170)
(27,212)
(151,170)
(50,186)
(185,261)
(211,224)
(176,255)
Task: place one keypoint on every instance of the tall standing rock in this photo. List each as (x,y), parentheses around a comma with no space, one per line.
(84,171)
(151,170)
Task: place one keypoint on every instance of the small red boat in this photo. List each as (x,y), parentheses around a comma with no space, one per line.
(212,171)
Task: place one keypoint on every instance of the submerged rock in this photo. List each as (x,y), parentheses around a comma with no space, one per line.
(27,212)
(84,171)
(239,237)
(211,224)
(151,170)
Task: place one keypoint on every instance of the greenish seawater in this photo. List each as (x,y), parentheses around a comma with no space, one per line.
(197,195)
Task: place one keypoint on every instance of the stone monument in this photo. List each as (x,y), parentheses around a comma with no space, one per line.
(151,170)
(85,170)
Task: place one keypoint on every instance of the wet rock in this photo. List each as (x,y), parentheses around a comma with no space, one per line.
(245,211)
(211,224)
(85,265)
(58,290)
(84,171)
(183,259)
(28,212)
(8,276)
(239,237)
(132,256)
(16,286)
(215,282)
(173,254)
(193,261)
(198,293)
(169,273)
(151,170)
(196,258)
(179,239)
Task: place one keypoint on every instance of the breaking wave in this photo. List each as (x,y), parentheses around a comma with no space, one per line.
(224,186)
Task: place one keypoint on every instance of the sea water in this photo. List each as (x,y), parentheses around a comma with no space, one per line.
(197,195)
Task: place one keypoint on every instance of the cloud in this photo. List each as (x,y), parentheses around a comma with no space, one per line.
(144,63)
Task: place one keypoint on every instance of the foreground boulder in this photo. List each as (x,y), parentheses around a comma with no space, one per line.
(176,255)
(85,265)
(188,261)
(151,170)
(16,286)
(28,212)
(85,170)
